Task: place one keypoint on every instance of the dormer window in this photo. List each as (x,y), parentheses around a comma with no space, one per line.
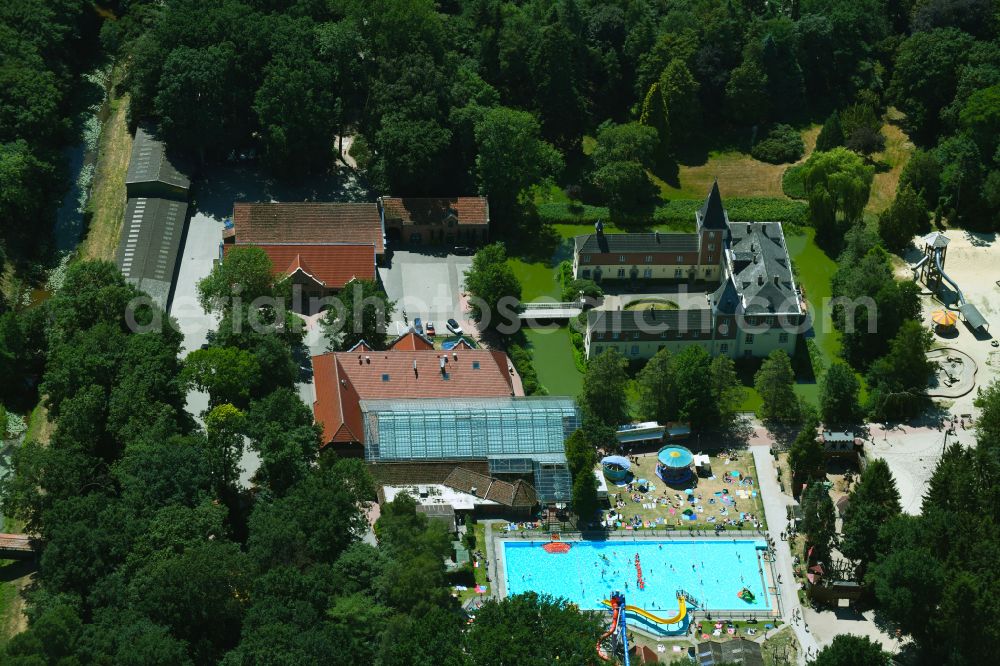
(586,258)
(621,258)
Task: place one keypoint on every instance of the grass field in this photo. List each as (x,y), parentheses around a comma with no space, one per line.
(739,174)
(898,149)
(553,360)
(106,207)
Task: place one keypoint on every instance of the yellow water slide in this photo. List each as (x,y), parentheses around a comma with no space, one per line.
(681,612)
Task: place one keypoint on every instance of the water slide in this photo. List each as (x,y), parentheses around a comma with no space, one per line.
(618,606)
(681,612)
(616,611)
(944,276)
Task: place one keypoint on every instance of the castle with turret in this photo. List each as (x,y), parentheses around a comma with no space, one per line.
(728,287)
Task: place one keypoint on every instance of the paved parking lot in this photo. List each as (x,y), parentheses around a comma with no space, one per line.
(426,286)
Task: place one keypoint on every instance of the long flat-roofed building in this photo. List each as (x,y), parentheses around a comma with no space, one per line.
(155,217)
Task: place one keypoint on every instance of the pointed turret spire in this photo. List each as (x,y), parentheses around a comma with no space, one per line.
(712,215)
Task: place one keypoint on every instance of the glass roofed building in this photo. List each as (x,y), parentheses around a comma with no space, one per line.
(420,415)
(517,436)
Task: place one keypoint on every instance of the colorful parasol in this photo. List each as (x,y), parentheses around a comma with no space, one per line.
(944,317)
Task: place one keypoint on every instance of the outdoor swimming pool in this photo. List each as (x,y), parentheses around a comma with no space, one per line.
(720,570)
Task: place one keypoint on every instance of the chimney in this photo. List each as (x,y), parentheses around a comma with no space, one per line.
(415,373)
(454,356)
(775,280)
(599,228)
(368,360)
(760,280)
(656,235)
(443,361)
(361,361)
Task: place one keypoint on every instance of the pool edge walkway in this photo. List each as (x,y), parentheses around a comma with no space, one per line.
(775,502)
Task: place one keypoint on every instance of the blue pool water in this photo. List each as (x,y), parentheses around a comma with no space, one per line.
(720,570)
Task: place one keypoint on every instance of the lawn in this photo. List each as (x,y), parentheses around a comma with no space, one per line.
(651,304)
(739,174)
(898,149)
(106,208)
(553,360)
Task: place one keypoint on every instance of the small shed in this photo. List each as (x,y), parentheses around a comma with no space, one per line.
(738,651)
(838,441)
(442,513)
(602,485)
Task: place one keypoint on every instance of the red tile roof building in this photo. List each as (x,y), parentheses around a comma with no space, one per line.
(344,379)
(438,220)
(329,267)
(307,224)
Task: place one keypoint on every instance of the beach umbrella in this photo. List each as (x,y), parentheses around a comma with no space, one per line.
(944,317)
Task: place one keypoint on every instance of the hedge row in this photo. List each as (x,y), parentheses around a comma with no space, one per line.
(679,213)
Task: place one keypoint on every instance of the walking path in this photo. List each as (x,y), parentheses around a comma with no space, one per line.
(775,503)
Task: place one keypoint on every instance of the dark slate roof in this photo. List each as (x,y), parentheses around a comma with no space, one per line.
(150,162)
(649,321)
(712,215)
(633,243)
(150,244)
(760,268)
(726,299)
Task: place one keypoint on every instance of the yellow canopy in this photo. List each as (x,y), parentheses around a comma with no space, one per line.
(944,317)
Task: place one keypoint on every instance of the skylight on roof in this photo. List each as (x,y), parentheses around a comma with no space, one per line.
(385,377)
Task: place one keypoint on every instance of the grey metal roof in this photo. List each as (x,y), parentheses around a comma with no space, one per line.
(973,316)
(712,215)
(761,269)
(150,162)
(650,321)
(633,243)
(150,244)
(936,239)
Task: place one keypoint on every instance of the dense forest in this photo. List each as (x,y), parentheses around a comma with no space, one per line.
(156,554)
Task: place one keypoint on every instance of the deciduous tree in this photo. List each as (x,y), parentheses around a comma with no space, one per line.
(494,288)
(603,395)
(363,312)
(775,382)
(838,397)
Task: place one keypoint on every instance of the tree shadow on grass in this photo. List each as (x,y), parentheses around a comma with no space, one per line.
(15,569)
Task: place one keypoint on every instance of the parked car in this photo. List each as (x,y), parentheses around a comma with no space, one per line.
(418,325)
(431,332)
(454,327)
(463,250)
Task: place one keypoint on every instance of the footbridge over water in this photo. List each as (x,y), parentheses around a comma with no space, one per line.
(18,547)
(551,310)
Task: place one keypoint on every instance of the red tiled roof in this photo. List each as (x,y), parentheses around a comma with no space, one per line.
(410,341)
(343,379)
(332,265)
(308,223)
(417,210)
